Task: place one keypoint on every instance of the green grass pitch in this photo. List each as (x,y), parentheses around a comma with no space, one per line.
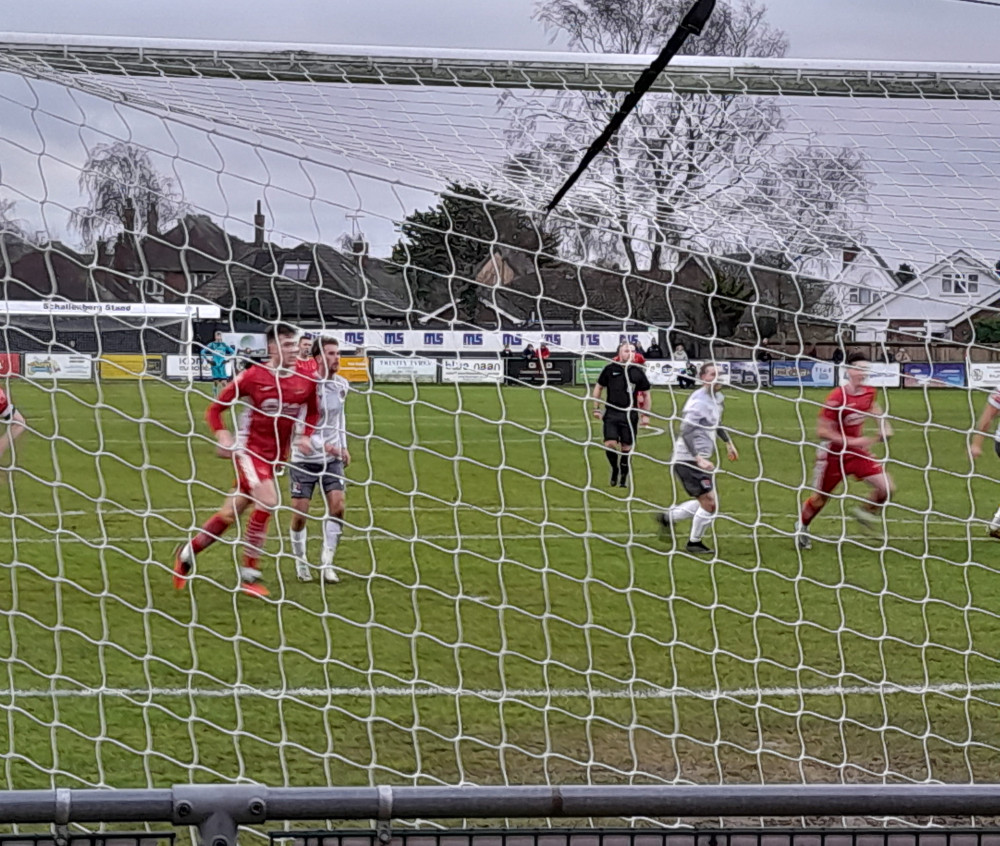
(504,616)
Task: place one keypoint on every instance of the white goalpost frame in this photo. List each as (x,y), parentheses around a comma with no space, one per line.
(97,66)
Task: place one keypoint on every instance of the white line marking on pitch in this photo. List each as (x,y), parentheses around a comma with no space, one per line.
(643,692)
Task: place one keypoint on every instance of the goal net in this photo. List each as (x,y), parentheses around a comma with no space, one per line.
(503,615)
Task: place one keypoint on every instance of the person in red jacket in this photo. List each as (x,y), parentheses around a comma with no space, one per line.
(273,396)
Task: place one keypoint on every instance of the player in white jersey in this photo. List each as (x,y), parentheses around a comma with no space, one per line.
(990,411)
(701,420)
(323,465)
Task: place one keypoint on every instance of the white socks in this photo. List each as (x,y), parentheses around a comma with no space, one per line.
(995,522)
(331,537)
(298,544)
(702,520)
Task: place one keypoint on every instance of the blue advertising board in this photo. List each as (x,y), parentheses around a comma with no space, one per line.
(920,374)
(803,374)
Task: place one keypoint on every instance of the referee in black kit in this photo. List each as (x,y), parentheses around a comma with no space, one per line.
(624,381)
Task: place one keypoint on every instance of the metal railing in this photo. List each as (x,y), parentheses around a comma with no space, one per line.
(217,811)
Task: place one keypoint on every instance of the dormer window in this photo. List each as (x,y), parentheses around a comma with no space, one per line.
(296,270)
(960,283)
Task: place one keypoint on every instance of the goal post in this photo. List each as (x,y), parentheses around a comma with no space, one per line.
(503,615)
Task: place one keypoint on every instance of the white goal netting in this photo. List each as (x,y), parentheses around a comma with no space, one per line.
(502,614)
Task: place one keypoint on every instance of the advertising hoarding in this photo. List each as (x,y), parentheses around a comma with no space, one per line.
(131,366)
(392,369)
(472,370)
(58,366)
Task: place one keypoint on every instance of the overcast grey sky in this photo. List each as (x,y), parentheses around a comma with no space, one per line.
(916,30)
(224,181)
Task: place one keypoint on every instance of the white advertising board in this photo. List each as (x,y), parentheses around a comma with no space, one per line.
(884,375)
(53,306)
(666,372)
(437,340)
(58,366)
(188,366)
(983,375)
(247,344)
(391,369)
(472,370)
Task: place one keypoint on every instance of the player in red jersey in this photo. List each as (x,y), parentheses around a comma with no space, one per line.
(274,396)
(990,412)
(844,450)
(14,422)
(304,362)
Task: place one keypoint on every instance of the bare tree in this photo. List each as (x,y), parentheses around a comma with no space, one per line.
(117,178)
(10,224)
(677,156)
(807,203)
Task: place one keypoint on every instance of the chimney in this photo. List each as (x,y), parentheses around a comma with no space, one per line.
(258,227)
(850,253)
(359,246)
(128,216)
(153,220)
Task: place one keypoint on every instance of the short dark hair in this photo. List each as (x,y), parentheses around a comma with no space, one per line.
(855,357)
(319,342)
(279,330)
(704,368)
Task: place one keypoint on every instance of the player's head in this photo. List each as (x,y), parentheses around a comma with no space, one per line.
(326,351)
(282,344)
(707,375)
(305,345)
(626,351)
(218,336)
(856,369)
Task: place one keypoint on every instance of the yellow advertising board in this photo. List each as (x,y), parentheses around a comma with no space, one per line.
(131,366)
(354,368)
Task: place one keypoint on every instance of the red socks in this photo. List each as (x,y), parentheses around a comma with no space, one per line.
(210,533)
(255,537)
(809,510)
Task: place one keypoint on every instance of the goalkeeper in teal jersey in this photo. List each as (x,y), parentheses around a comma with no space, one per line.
(218,354)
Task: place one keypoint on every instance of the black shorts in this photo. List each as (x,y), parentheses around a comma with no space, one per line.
(996,446)
(303,478)
(621,426)
(695,480)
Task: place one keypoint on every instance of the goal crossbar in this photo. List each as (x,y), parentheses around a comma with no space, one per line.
(342,64)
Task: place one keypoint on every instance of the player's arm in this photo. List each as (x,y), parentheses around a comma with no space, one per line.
(644,398)
(216,411)
(15,428)
(598,395)
(310,421)
(983,428)
(731,450)
(342,437)
(884,426)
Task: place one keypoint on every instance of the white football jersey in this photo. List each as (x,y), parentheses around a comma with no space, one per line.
(331,428)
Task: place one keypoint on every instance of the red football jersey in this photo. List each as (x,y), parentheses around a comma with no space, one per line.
(307,367)
(273,407)
(849,412)
(6,408)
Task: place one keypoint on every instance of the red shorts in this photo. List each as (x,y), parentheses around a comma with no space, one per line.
(251,471)
(833,467)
